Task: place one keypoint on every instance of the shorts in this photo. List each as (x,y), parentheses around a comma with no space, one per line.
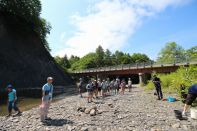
(99,88)
(90,92)
(190,98)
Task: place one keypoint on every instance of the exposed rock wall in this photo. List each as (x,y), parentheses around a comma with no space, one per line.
(24,61)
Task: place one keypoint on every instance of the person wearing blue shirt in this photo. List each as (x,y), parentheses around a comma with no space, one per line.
(47,94)
(191,97)
(12,100)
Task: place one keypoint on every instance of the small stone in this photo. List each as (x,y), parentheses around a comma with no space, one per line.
(185,127)
(87,111)
(155,129)
(99,112)
(93,112)
(84,129)
(177,125)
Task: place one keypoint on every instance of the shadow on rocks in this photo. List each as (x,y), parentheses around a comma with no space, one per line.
(57,122)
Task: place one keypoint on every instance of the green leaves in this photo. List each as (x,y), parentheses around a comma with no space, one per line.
(27,13)
(172,82)
(171,52)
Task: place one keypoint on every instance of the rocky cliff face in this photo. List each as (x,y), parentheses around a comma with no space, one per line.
(24,61)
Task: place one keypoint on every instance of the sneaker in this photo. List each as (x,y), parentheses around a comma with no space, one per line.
(8,115)
(184,114)
(19,113)
(48,118)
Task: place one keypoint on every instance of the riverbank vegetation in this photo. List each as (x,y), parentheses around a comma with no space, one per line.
(171,82)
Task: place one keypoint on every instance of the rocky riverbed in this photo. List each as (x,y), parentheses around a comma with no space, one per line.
(137,110)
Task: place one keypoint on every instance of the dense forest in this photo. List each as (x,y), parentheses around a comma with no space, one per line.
(170,53)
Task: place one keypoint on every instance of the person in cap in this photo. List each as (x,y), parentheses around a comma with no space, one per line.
(12,100)
(47,94)
(191,97)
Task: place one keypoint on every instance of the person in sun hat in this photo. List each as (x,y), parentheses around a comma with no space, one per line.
(47,94)
(12,100)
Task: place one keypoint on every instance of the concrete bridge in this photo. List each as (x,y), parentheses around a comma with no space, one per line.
(141,69)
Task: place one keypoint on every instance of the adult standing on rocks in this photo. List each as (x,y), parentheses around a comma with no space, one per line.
(80,86)
(90,90)
(191,97)
(157,84)
(129,84)
(104,88)
(47,94)
(99,87)
(116,86)
(123,85)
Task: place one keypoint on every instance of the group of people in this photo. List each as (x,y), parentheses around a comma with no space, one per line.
(95,89)
(47,93)
(98,88)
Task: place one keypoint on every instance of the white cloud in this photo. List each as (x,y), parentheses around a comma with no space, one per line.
(111,23)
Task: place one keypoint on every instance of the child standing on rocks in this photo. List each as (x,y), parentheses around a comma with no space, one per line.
(47,93)
(12,100)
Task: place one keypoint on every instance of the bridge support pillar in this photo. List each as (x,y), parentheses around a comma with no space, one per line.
(141,79)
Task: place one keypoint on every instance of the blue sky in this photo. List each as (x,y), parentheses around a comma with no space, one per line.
(131,26)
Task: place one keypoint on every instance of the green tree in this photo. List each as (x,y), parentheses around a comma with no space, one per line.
(191,53)
(25,14)
(99,56)
(73,59)
(108,58)
(88,61)
(138,57)
(63,62)
(118,55)
(171,52)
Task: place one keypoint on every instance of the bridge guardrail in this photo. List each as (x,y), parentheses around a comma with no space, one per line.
(140,65)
